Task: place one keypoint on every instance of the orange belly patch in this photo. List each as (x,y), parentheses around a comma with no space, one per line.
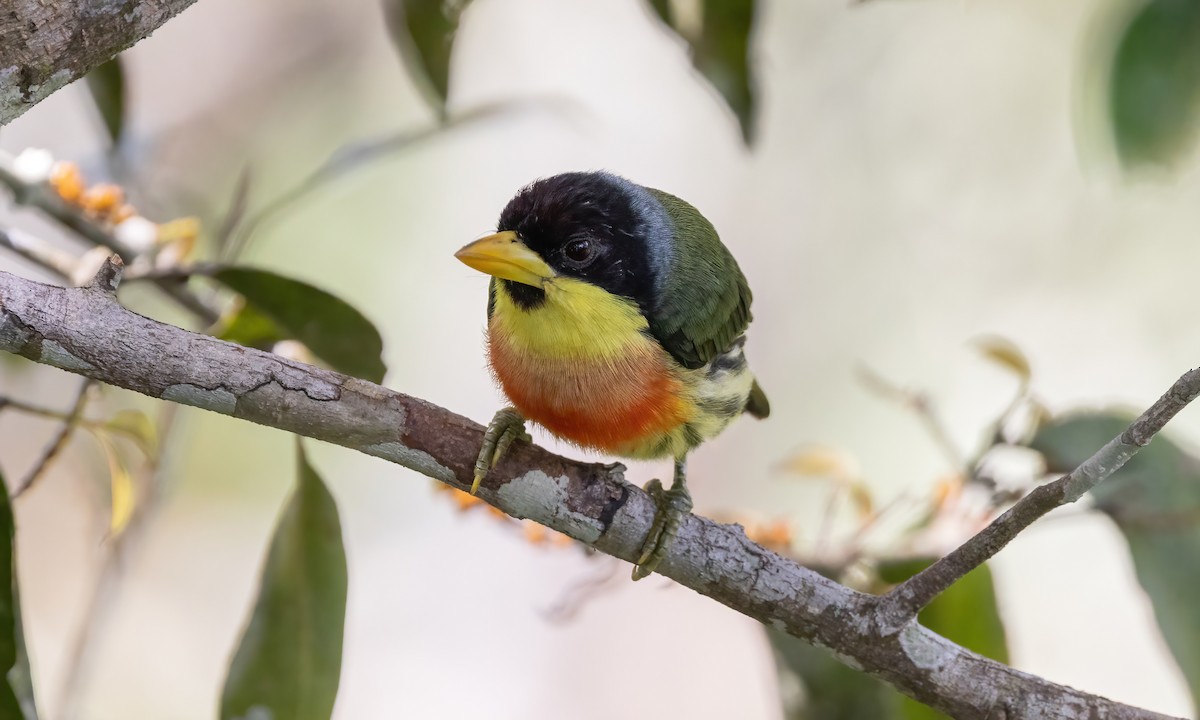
(616,404)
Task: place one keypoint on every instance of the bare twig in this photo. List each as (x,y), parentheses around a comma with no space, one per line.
(60,438)
(903,603)
(356,155)
(84,330)
(920,405)
(39,253)
(107,583)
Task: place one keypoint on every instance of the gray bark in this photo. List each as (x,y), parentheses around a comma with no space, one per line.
(46,45)
(86,331)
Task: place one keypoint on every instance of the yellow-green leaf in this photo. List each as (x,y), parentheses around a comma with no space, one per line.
(289,660)
(135,425)
(1006,354)
(122,493)
(280,308)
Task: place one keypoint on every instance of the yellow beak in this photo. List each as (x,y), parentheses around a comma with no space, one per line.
(503,255)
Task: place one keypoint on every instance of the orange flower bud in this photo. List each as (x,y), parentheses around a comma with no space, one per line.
(67,181)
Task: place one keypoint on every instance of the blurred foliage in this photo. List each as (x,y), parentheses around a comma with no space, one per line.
(720,45)
(289,661)
(122,493)
(966,614)
(279,308)
(137,427)
(106,84)
(16,691)
(1154,85)
(289,658)
(423,31)
(1155,502)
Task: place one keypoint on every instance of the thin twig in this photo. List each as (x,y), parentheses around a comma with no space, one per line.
(921,406)
(901,605)
(38,252)
(60,439)
(99,603)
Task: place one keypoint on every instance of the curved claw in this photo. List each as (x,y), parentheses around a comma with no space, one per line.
(506,426)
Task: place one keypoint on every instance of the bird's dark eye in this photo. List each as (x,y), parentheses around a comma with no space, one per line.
(578,251)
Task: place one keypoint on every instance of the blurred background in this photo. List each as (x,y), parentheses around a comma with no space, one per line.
(921,174)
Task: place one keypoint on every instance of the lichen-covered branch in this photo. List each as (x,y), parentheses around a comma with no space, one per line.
(86,331)
(903,603)
(46,45)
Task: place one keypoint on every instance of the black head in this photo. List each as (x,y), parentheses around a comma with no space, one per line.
(596,227)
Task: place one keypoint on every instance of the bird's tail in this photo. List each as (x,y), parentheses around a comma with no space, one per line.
(757,404)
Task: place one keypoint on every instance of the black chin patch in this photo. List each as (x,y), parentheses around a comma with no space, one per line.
(526,297)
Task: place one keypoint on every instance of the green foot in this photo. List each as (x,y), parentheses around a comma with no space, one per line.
(506,426)
(673,505)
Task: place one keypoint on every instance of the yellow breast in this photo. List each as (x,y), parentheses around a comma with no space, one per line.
(583,365)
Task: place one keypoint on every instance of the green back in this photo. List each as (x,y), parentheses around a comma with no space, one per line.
(705,304)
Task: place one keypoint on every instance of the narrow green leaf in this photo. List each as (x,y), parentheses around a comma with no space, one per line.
(966,614)
(332,329)
(16,693)
(107,87)
(721,52)
(1154,83)
(290,657)
(1155,501)
(722,55)
(423,31)
(662,8)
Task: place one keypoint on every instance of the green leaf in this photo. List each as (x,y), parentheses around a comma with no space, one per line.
(250,327)
(721,52)
(1155,501)
(966,614)
(290,657)
(332,329)
(107,87)
(423,31)
(16,693)
(1154,85)
(662,8)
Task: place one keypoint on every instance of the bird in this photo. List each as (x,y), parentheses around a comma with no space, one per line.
(616,320)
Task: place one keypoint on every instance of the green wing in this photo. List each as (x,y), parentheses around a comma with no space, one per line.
(706,302)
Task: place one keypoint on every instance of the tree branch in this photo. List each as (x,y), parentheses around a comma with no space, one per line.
(85,331)
(907,599)
(46,45)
